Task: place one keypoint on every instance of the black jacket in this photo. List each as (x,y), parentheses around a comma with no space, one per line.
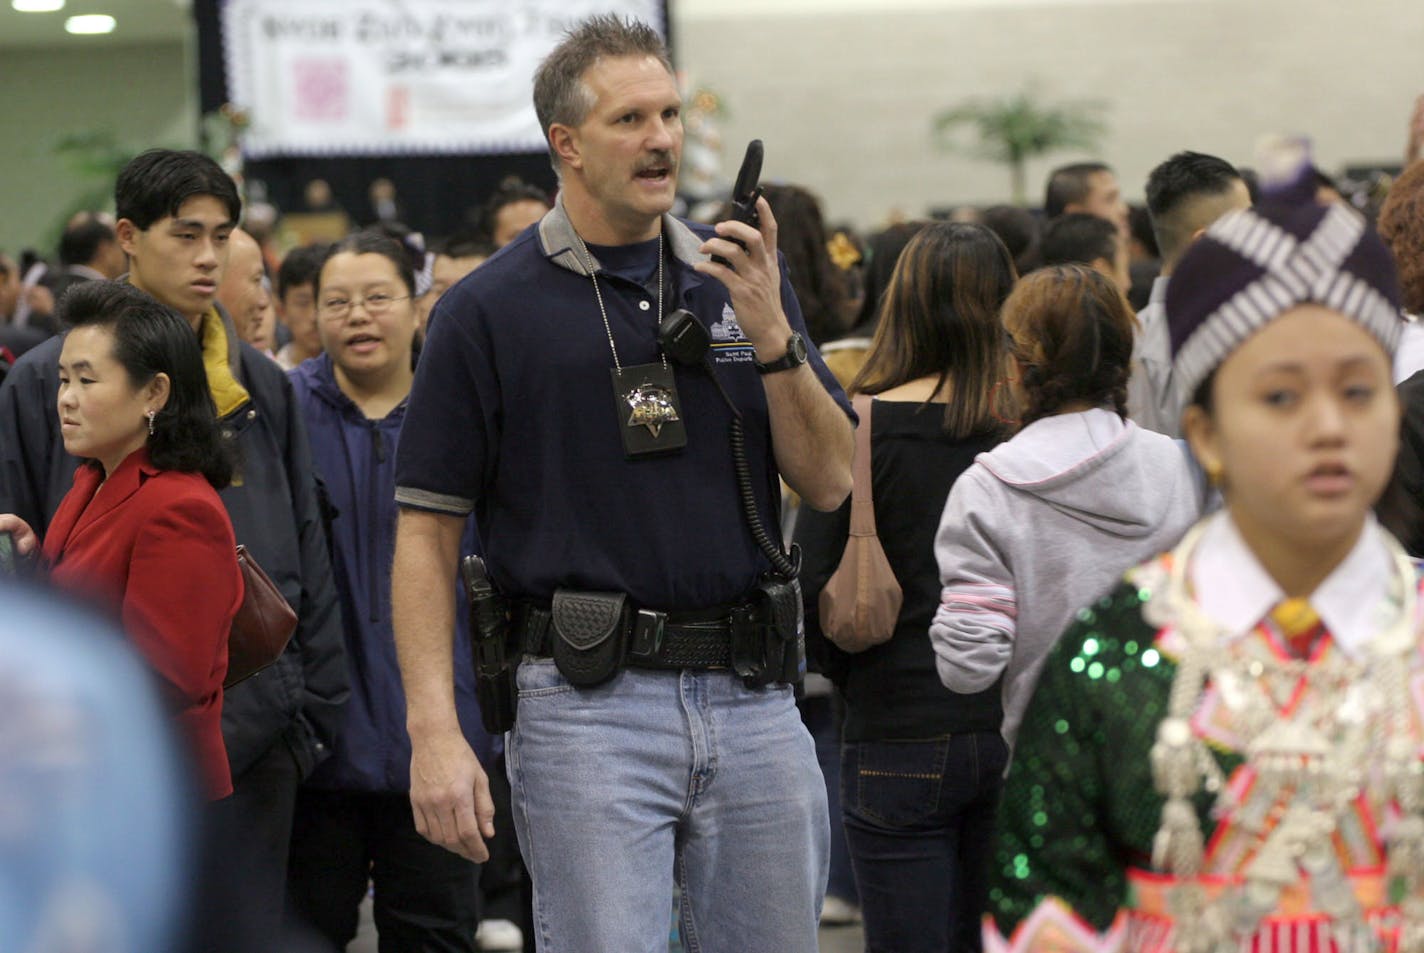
(1401,509)
(275,513)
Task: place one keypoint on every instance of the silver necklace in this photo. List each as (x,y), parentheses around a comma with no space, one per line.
(1331,748)
(603,311)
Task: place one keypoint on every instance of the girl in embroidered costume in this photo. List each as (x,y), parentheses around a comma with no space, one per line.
(1223,753)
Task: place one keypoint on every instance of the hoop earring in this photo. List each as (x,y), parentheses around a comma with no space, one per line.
(151,415)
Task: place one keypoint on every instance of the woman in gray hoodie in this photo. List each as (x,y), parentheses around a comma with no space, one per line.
(1048,520)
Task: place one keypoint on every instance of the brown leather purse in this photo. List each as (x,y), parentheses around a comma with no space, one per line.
(263,625)
(861,601)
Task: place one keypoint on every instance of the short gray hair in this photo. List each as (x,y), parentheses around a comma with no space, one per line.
(560,95)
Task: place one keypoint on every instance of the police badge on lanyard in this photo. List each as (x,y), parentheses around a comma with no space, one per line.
(649,412)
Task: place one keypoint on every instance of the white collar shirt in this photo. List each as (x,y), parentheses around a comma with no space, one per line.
(1233,588)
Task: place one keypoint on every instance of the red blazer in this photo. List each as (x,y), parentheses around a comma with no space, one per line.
(158,546)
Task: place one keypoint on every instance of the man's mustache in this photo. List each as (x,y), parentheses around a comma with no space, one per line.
(660,160)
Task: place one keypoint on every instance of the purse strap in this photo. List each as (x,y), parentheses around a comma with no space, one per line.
(862,503)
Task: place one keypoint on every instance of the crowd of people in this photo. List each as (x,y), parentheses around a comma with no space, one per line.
(1148,484)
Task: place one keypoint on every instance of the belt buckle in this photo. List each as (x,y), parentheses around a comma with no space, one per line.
(649,627)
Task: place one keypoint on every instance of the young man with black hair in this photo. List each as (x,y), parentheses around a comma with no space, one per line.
(296,303)
(513,207)
(88,250)
(1078,238)
(454,258)
(1185,195)
(1088,187)
(176,211)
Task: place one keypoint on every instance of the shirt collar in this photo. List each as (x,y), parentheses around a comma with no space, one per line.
(559,241)
(1159,290)
(1233,588)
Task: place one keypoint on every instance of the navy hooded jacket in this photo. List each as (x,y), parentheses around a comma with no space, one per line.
(355,457)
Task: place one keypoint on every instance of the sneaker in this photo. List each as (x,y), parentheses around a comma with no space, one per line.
(839,912)
(499,935)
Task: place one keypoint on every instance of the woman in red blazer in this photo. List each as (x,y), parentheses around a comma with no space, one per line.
(143,530)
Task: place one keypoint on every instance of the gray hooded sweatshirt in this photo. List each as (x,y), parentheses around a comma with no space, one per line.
(1037,529)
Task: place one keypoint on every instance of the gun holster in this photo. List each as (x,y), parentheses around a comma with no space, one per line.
(494,661)
(768,645)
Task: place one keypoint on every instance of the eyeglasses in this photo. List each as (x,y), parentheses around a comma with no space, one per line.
(337,308)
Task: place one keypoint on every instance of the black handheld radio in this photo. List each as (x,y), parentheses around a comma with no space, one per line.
(745,193)
(767,643)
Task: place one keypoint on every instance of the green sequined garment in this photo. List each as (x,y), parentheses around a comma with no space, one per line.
(1079,806)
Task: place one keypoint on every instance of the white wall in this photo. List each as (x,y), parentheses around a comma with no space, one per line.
(144,94)
(843,91)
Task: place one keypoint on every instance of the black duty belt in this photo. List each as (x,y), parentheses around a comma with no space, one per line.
(661,640)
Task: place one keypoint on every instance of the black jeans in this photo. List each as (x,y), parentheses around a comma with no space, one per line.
(919,820)
(426,897)
(261,810)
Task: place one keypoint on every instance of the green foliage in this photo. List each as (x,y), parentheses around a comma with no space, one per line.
(93,154)
(1013,129)
(94,159)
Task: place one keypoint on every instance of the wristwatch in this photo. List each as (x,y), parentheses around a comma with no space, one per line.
(795,356)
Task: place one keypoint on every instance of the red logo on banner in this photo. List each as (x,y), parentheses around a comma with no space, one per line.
(322,89)
(397,107)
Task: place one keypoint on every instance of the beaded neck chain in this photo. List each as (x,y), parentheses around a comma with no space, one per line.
(1354,734)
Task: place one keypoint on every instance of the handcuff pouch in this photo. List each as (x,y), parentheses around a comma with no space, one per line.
(590,631)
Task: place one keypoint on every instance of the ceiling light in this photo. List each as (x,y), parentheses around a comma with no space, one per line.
(37,6)
(90,23)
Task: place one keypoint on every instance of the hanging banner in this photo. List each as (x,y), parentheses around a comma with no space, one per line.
(381,77)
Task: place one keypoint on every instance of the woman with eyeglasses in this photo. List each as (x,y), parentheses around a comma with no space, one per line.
(353,817)
(143,531)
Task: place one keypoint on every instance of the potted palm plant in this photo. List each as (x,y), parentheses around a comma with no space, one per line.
(1013,129)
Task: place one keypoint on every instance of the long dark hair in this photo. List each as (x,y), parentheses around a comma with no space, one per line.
(149,339)
(941,319)
(801,237)
(1073,335)
(882,252)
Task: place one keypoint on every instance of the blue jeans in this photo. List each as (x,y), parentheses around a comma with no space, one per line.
(919,819)
(656,778)
(822,715)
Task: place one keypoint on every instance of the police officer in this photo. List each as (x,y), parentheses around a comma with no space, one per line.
(657,740)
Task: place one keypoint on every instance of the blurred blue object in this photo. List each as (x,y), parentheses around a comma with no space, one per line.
(96,809)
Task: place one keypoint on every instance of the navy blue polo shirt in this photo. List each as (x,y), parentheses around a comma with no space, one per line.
(512,416)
